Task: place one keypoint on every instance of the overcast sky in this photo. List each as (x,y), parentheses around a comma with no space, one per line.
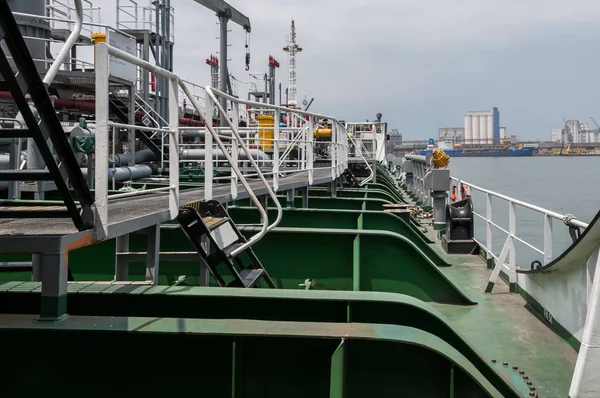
(422,63)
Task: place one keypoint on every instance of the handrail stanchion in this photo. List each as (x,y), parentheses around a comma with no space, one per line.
(276,151)
(547,239)
(310,154)
(101,146)
(208,145)
(234,153)
(173,148)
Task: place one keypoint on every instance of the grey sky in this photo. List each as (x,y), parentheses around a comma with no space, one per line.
(422,63)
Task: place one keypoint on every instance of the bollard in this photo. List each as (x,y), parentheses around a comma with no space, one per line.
(437,182)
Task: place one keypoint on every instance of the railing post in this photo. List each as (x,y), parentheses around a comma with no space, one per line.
(208,145)
(548,237)
(234,152)
(512,226)
(276,151)
(489,239)
(101,147)
(173,148)
(309,150)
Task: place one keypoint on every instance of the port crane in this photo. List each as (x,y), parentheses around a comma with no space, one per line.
(567,138)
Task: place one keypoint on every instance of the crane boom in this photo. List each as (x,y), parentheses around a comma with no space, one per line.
(223,8)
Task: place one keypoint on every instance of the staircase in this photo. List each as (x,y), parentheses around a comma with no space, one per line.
(44,128)
(215,237)
(120,110)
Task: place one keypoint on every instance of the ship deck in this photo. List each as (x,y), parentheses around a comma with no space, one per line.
(501,327)
(138,212)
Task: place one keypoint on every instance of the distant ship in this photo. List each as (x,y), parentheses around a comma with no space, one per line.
(459,150)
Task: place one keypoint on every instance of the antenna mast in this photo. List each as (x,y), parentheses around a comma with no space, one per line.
(292,48)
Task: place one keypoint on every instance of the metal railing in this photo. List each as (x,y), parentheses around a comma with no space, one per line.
(103,51)
(300,134)
(369,138)
(131,15)
(509,250)
(63,12)
(103,129)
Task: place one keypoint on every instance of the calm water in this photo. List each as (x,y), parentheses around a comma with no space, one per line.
(562,184)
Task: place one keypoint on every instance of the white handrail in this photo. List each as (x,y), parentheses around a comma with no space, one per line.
(538,209)
(299,112)
(64,51)
(262,211)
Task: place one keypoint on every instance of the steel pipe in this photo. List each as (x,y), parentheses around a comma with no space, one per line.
(200,154)
(145,155)
(126,173)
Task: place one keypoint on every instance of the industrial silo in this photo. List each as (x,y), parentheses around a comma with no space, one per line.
(483,129)
(490,129)
(468,129)
(476,126)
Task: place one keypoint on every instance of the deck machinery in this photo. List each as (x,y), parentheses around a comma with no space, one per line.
(217,282)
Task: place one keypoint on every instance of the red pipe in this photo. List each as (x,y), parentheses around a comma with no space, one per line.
(91,106)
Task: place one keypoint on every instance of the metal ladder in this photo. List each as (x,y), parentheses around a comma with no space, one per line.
(211,223)
(120,110)
(351,180)
(63,171)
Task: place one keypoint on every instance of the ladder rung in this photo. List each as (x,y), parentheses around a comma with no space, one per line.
(15,133)
(212,221)
(250,276)
(25,175)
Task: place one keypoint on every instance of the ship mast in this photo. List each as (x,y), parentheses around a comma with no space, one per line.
(292,48)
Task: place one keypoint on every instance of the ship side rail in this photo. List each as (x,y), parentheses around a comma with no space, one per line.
(415,174)
(506,259)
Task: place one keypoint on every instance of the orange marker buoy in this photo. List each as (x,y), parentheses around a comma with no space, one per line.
(453,196)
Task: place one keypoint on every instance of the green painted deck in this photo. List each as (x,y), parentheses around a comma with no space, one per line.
(345,244)
(501,327)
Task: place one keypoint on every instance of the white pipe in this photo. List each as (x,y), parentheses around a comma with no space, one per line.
(200,154)
(64,51)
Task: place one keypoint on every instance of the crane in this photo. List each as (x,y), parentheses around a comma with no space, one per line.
(226,12)
(598,131)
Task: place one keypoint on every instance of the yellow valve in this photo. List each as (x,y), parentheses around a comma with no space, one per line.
(440,158)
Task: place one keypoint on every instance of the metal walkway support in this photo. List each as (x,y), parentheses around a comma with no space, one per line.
(45,129)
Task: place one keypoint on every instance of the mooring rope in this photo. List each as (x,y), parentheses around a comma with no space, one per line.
(574,230)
